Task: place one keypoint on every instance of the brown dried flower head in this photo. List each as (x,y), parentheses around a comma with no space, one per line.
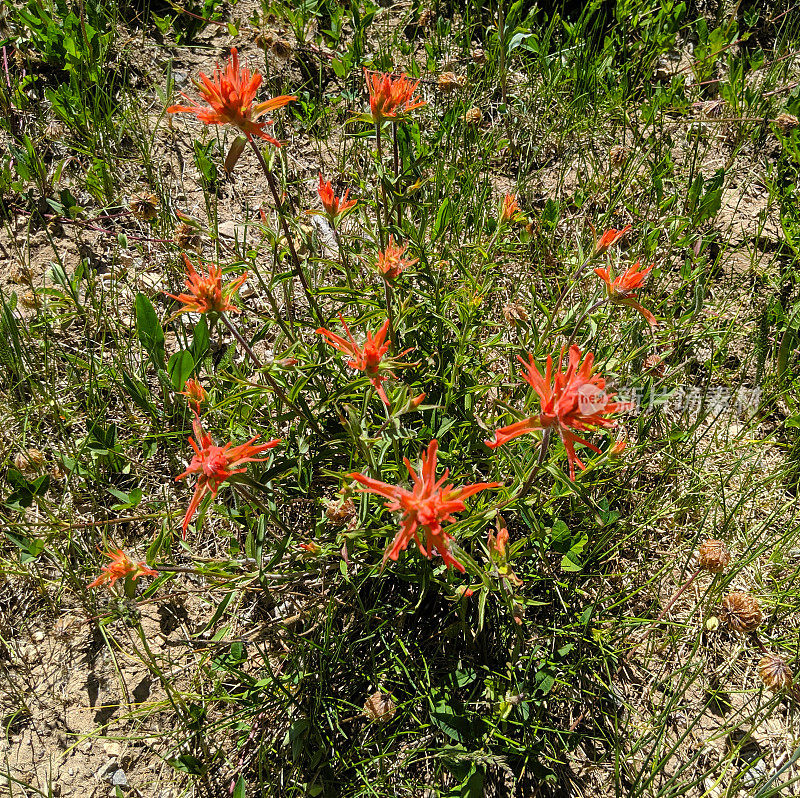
(449,82)
(775,673)
(282,49)
(786,123)
(619,154)
(654,364)
(31,300)
(514,312)
(265,39)
(144,206)
(340,512)
(186,237)
(713,556)
(478,55)
(29,462)
(473,116)
(425,18)
(379,707)
(741,613)
(21,274)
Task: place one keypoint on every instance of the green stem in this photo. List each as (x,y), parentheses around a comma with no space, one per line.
(279,392)
(298,269)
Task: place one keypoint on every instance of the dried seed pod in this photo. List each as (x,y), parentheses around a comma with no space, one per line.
(282,49)
(449,82)
(775,673)
(31,300)
(425,18)
(618,154)
(340,512)
(713,556)
(473,116)
(186,237)
(144,206)
(29,462)
(478,55)
(654,364)
(741,613)
(379,707)
(21,274)
(265,39)
(514,312)
(786,123)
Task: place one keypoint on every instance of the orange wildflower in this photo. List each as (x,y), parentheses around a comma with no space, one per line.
(230,96)
(195,393)
(368,358)
(205,293)
(120,567)
(571,400)
(509,209)
(609,238)
(620,289)
(391,262)
(424,508)
(215,464)
(391,98)
(334,206)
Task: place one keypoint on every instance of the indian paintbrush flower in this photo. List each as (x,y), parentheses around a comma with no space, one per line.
(195,393)
(608,239)
(206,293)
(620,289)
(120,567)
(230,94)
(391,262)
(368,358)
(508,209)
(215,464)
(424,508)
(391,98)
(570,400)
(335,207)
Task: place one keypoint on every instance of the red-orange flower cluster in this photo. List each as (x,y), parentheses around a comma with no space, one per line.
(230,96)
(120,567)
(424,508)
(334,206)
(609,238)
(195,393)
(571,400)
(206,293)
(391,262)
(620,289)
(390,98)
(509,209)
(215,464)
(367,358)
